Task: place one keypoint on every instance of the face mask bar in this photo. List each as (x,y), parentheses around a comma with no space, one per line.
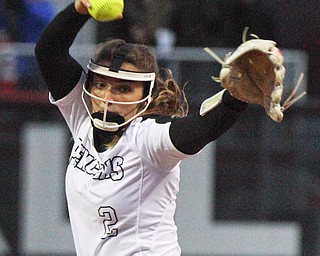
(121,74)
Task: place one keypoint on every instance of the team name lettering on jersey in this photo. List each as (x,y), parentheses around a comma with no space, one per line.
(83,160)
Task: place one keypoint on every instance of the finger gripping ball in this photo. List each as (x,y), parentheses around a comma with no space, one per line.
(106,10)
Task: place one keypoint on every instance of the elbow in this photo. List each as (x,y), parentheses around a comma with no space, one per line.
(42,49)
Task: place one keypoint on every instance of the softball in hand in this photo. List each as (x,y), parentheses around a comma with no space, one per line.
(106,10)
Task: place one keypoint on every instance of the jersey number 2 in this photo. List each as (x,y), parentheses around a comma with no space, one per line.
(109,220)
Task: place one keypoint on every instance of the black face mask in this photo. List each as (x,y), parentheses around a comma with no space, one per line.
(101,137)
(111,117)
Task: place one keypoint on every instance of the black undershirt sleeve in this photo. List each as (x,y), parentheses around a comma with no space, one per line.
(191,133)
(62,72)
(58,68)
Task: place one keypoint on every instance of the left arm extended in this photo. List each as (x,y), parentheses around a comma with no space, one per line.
(191,133)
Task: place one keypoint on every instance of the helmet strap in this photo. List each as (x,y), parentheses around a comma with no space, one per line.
(120,57)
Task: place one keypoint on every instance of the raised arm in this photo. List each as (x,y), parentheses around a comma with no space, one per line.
(59,69)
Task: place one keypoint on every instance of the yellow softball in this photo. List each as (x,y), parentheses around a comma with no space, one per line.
(106,10)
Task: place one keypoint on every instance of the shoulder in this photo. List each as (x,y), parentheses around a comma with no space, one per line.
(149,135)
(159,119)
(151,126)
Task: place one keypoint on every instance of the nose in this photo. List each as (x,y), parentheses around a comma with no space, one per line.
(107,93)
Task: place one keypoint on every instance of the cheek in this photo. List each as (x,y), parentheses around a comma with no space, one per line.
(97,92)
(139,93)
(95,105)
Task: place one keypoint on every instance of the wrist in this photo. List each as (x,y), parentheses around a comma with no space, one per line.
(233,103)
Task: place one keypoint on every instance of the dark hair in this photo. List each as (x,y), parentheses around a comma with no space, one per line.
(140,56)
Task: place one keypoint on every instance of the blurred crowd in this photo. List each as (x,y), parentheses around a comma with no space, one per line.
(191,23)
(220,23)
(22,21)
(194,23)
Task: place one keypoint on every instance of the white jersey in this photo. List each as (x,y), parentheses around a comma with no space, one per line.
(122,201)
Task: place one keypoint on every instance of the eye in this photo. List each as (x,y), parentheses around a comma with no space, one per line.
(99,85)
(125,88)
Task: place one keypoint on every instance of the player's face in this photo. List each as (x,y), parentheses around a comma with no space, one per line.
(114,89)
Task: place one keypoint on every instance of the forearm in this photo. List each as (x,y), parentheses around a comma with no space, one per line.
(59,69)
(190,134)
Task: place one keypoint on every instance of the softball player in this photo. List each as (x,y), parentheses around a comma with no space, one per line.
(130,130)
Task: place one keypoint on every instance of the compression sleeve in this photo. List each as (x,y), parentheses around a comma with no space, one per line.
(191,133)
(59,69)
